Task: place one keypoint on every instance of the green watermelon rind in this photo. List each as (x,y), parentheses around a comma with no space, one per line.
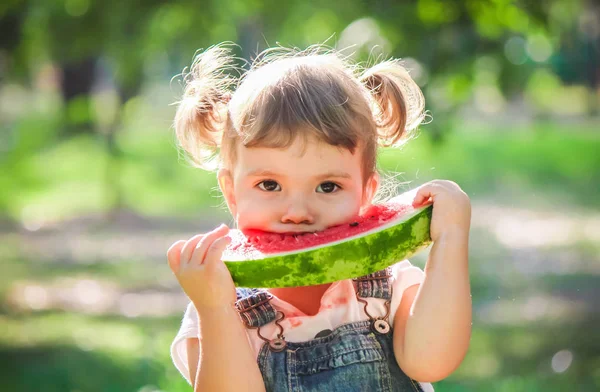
(350,258)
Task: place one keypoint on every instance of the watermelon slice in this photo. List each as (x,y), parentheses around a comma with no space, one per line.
(384,235)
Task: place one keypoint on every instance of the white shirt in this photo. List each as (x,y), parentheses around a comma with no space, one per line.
(338,306)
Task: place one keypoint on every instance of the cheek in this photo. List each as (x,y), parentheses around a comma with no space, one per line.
(344,209)
(254,212)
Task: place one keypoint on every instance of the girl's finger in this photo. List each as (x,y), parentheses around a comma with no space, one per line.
(202,247)
(423,195)
(188,248)
(174,255)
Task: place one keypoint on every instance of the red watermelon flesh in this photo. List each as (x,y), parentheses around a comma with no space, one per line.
(269,243)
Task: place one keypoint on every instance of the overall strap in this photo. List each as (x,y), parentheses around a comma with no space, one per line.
(254,307)
(375,285)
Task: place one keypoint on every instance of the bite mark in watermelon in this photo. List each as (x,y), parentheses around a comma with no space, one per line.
(382,236)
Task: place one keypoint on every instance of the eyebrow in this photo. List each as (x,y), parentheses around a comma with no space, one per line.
(268,173)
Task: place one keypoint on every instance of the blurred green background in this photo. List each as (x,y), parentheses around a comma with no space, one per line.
(93,190)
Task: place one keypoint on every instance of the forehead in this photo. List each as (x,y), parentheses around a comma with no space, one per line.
(301,158)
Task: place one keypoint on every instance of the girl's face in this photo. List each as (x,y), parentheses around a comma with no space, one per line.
(305,188)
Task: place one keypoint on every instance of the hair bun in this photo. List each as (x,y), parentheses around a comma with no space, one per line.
(201,115)
(399,105)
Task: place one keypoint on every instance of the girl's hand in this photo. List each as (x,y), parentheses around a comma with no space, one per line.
(200,271)
(451,208)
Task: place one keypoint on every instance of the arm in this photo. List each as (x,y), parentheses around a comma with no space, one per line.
(433,331)
(433,322)
(193,356)
(225,361)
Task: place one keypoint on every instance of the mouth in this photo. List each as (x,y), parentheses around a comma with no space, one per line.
(254,232)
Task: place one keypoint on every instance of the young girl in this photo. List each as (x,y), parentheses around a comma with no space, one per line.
(295,144)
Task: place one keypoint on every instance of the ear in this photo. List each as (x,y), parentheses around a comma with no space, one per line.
(370,189)
(226,184)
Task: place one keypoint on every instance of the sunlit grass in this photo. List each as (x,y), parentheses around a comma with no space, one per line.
(53,351)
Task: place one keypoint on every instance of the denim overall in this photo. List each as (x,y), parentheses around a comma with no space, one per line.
(357,356)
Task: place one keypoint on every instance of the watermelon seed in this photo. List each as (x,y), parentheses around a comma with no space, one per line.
(353,224)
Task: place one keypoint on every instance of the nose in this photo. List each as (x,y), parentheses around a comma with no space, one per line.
(298,213)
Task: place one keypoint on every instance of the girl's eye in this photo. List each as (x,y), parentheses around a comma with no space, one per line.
(327,187)
(269,186)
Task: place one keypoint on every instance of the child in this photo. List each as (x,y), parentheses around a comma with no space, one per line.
(295,147)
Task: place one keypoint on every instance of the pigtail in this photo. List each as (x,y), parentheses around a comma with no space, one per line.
(202,113)
(398,103)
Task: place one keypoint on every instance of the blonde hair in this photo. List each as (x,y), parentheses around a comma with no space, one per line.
(288,93)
